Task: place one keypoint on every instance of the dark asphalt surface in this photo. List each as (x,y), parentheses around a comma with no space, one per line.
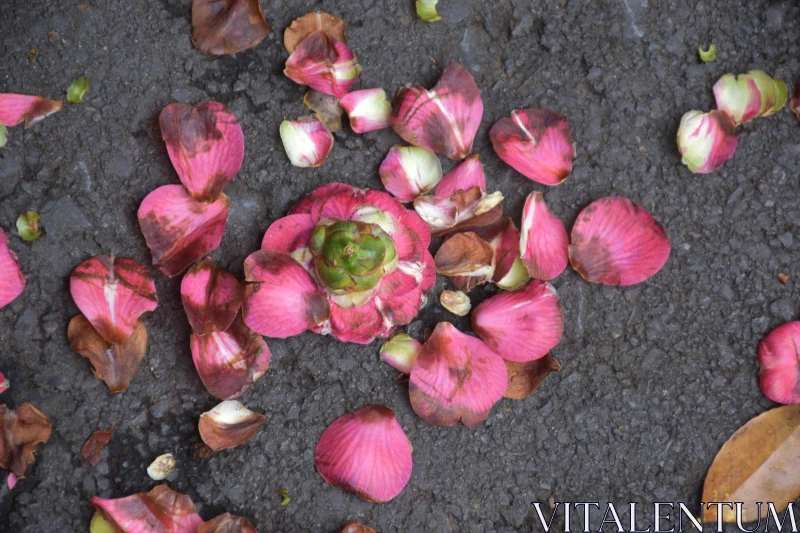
(656,377)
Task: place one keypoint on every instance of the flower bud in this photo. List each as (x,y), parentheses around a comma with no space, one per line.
(706,140)
(307,141)
(368,110)
(228,425)
(401,352)
(456,302)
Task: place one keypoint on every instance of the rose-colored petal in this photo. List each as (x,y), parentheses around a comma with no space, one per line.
(367,109)
(289,234)
(227,27)
(228,425)
(307,141)
(21,430)
(161,510)
(410,171)
(93,448)
(706,140)
(326,108)
(739,97)
(457,377)
(401,352)
(444,119)
(779,364)
(794,103)
(521,325)
(359,324)
(525,378)
(205,144)
(227,523)
(465,254)
(112,293)
(616,242)
(398,299)
(178,229)
(211,297)
(115,364)
(230,361)
(12,281)
(16,108)
(306,203)
(367,453)
(355,527)
(4,383)
(281,299)
(11,480)
(467,174)
(543,243)
(323,63)
(406,217)
(537,143)
(309,23)
(464,210)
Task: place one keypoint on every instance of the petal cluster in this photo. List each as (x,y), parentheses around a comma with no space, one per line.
(220,28)
(706,140)
(323,63)
(21,430)
(779,364)
(748,96)
(12,282)
(162,510)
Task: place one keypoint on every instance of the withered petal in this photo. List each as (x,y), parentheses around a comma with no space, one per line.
(16,108)
(22,430)
(211,297)
(162,510)
(227,523)
(525,378)
(93,448)
(309,23)
(326,108)
(228,425)
(222,27)
(465,254)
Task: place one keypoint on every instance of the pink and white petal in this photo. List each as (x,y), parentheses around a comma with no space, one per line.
(16,108)
(289,234)
(360,324)
(503,237)
(405,217)
(339,205)
(408,244)
(281,299)
(211,297)
(324,64)
(410,171)
(543,243)
(307,141)
(12,281)
(161,510)
(779,364)
(706,140)
(367,109)
(522,325)
(467,174)
(305,204)
(398,299)
(616,242)
(738,96)
(367,453)
(456,377)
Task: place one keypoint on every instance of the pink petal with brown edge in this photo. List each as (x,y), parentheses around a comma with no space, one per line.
(228,362)
(616,242)
(543,243)
(359,324)
(307,141)
(779,364)
(305,204)
(228,425)
(304,26)
(794,101)
(4,383)
(227,26)
(457,377)
(12,282)
(178,229)
(367,109)
(211,297)
(92,450)
(205,144)
(112,293)
(467,174)
(16,108)
(525,378)
(537,143)
(464,210)
(162,510)
(21,430)
(281,299)
(324,64)
(522,325)
(401,352)
(367,453)
(398,299)
(410,171)
(289,234)
(227,523)
(444,119)
(504,239)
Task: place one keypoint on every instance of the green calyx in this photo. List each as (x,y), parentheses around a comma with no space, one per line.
(351,256)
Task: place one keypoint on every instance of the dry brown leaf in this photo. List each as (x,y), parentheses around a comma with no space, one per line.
(20,431)
(311,22)
(525,378)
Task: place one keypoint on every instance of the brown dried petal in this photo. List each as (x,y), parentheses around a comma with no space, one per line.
(525,378)
(222,27)
(200,451)
(464,254)
(227,523)
(311,22)
(228,425)
(93,449)
(355,527)
(326,108)
(22,430)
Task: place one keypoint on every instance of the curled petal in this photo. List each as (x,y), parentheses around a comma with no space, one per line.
(616,242)
(456,302)
(367,109)
(773,92)
(21,430)
(794,103)
(227,27)
(112,293)
(281,299)
(410,171)
(516,277)
(522,325)
(457,377)
(465,254)
(738,96)
(779,364)
(323,63)
(162,510)
(401,352)
(12,282)
(211,297)
(326,108)
(228,425)
(467,174)
(706,140)
(310,23)
(463,210)
(178,229)
(227,523)
(444,119)
(537,143)
(525,378)
(543,243)
(4,383)
(205,144)
(93,448)
(115,364)
(16,108)
(366,453)
(307,141)
(709,54)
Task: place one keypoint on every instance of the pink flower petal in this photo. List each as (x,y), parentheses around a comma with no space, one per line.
(289,234)
(398,299)
(521,325)
(306,203)
(307,141)
(464,210)
(779,364)
(616,242)
(401,352)
(4,383)
(543,244)
(359,324)
(180,230)
(112,293)
(467,174)
(457,377)
(161,510)
(281,299)
(366,453)
(410,171)
(211,297)
(367,109)
(11,480)
(16,108)
(444,119)
(227,523)
(323,63)
(536,143)
(739,97)
(205,144)
(12,282)
(706,140)
(504,239)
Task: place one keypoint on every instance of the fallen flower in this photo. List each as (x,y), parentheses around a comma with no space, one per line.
(355,527)
(444,119)
(410,171)
(463,210)
(228,425)
(227,523)
(21,430)
(162,467)
(525,378)
(467,174)
(323,63)
(367,453)
(749,96)
(616,242)
(12,282)
(4,383)
(93,448)
(77,89)
(706,140)
(211,297)
(367,109)
(543,244)
(779,364)
(456,302)
(284,494)
(28,226)
(794,103)
(162,510)
(709,54)
(310,23)
(426,10)
(457,377)
(465,254)
(17,108)
(537,143)
(307,141)
(326,108)
(228,27)
(401,352)
(522,325)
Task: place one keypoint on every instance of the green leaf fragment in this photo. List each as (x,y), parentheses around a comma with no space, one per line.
(426,10)
(285,494)
(3,135)
(77,89)
(707,55)
(28,226)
